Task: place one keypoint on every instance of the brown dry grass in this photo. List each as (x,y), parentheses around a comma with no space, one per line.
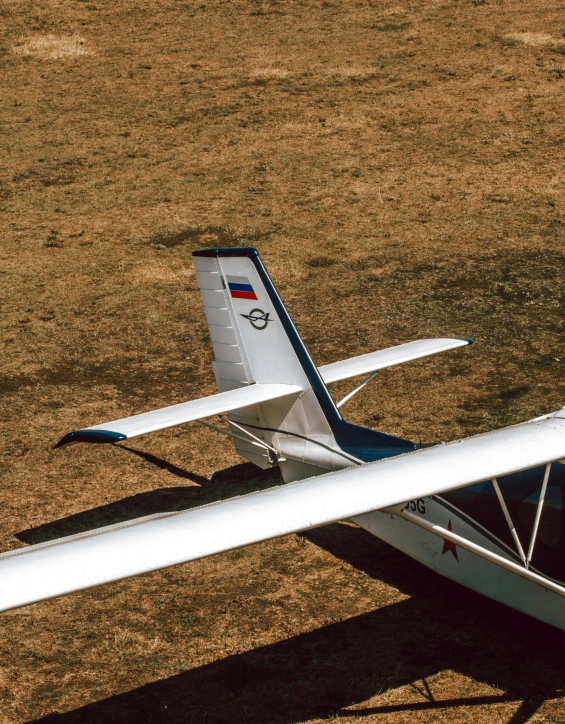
(400,168)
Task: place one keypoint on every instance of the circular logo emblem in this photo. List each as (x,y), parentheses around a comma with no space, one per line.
(258,318)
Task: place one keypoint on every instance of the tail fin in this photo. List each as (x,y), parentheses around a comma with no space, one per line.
(255,341)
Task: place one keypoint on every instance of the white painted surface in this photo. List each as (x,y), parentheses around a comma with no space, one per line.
(197,409)
(128,549)
(373,361)
(483,552)
(263,353)
(468,569)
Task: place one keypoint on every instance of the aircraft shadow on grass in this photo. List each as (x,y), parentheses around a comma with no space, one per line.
(321,674)
(237,480)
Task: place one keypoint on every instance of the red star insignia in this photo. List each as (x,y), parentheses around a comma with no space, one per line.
(448,546)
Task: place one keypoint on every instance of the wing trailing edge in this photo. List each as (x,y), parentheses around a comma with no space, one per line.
(128,549)
(373,361)
(178,414)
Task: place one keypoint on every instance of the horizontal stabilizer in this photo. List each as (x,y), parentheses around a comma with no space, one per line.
(128,549)
(367,363)
(179,414)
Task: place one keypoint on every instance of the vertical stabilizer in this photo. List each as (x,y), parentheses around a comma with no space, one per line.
(255,340)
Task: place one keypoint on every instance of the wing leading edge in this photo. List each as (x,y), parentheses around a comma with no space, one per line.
(178,414)
(373,361)
(129,549)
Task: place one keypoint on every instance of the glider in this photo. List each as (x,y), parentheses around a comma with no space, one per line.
(486,511)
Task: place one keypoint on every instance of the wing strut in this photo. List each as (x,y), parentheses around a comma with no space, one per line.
(509,521)
(482,552)
(526,559)
(538,515)
(258,441)
(262,444)
(356,390)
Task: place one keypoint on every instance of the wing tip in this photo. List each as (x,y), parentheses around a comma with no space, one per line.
(465,339)
(248,251)
(93,436)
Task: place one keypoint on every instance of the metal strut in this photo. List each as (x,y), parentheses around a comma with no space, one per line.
(258,441)
(480,551)
(262,444)
(356,390)
(509,521)
(538,515)
(228,434)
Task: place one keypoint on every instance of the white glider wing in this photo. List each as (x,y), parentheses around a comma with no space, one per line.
(179,414)
(128,549)
(373,361)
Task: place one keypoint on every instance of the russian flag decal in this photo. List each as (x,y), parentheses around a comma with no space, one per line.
(240,287)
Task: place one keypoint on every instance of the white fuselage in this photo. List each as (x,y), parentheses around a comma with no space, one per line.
(461,565)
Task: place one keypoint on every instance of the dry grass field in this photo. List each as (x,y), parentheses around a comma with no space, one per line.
(400,167)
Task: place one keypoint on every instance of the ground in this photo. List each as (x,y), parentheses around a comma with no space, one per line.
(400,169)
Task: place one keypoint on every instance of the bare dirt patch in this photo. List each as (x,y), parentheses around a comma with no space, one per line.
(535,39)
(51,47)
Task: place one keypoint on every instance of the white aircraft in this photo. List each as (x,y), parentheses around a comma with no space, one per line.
(486,511)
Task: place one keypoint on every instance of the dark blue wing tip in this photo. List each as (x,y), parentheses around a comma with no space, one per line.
(96,436)
(465,339)
(229,251)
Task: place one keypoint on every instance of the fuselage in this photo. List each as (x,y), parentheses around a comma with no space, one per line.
(475,513)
